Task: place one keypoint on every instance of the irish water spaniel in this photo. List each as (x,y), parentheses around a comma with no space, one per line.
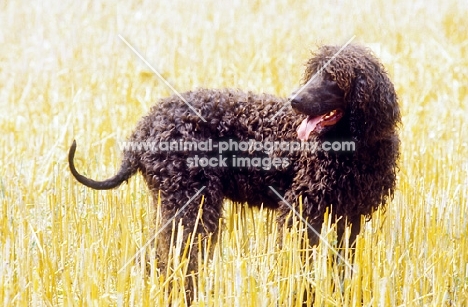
(350,99)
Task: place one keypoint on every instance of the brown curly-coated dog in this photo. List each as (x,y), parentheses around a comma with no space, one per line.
(349,100)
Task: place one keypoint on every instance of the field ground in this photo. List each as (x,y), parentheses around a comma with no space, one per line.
(65,74)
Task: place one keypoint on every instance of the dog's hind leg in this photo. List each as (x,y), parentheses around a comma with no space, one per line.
(190,219)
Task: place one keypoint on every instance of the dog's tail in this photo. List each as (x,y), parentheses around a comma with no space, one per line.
(127,169)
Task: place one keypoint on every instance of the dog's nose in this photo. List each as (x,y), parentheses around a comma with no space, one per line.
(294,100)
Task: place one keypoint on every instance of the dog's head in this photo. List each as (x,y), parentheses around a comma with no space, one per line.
(346,88)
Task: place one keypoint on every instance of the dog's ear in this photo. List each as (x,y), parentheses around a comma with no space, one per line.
(357,99)
(373,105)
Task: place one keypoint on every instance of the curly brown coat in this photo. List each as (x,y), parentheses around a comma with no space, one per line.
(350,99)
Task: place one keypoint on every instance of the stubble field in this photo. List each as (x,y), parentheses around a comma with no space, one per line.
(65,74)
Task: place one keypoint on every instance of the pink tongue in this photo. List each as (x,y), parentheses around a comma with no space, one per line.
(306,127)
